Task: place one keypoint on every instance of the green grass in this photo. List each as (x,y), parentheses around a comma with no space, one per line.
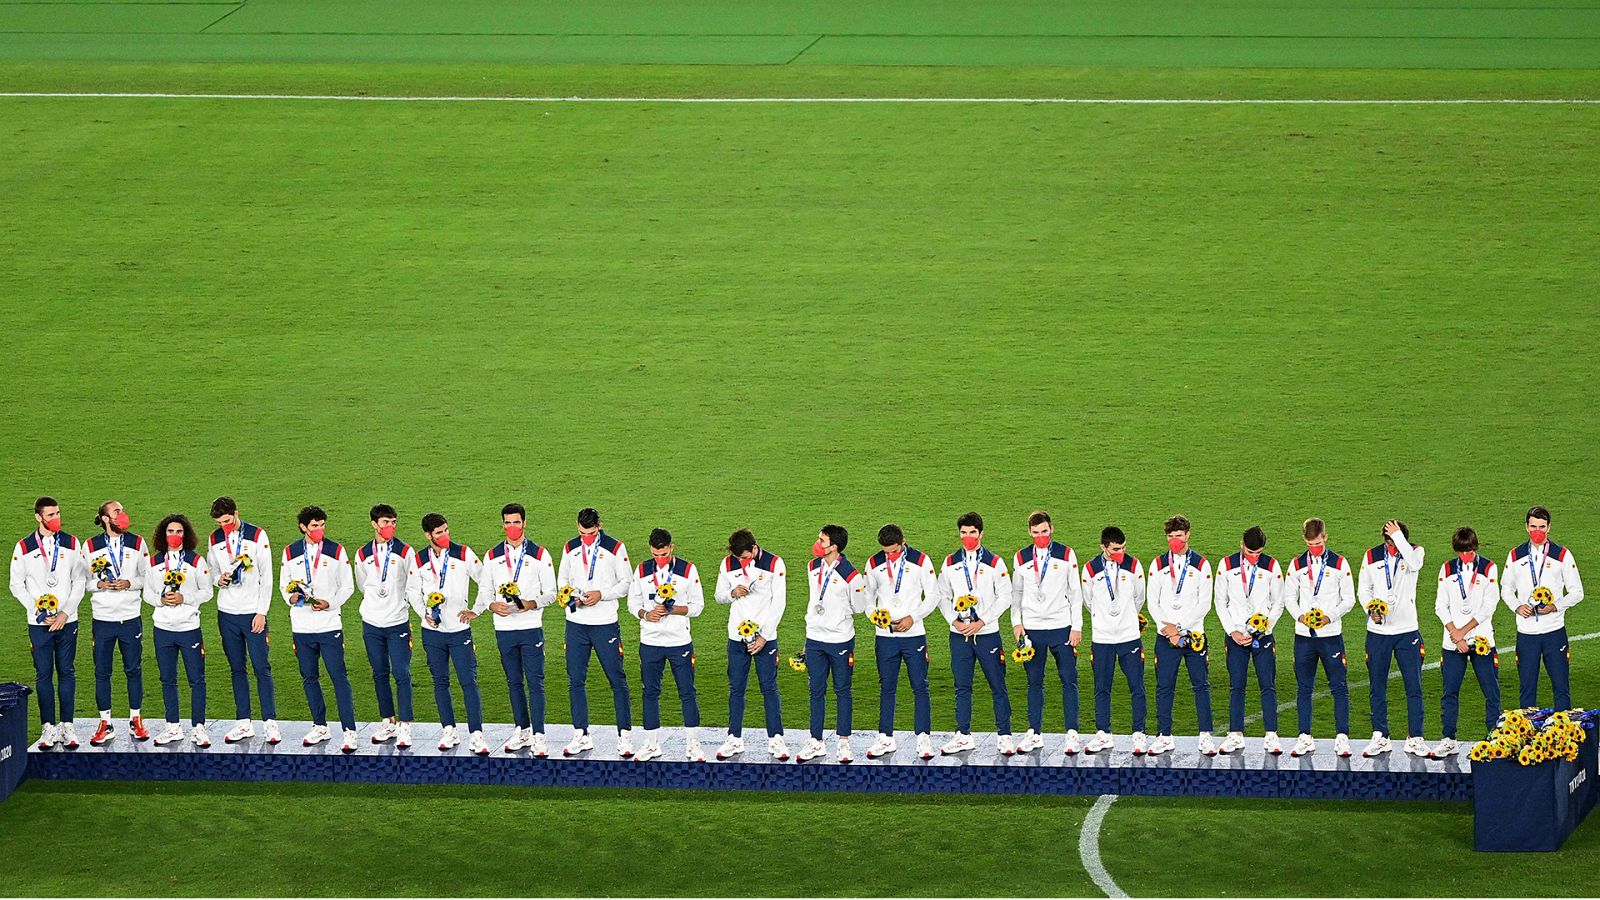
(706,317)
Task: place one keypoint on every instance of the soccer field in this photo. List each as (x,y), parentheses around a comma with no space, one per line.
(704,316)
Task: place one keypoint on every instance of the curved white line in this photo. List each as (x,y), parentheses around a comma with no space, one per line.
(1114,101)
(1089,847)
(1393,674)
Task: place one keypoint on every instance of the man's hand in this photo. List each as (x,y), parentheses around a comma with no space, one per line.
(903,623)
(121,584)
(755,646)
(105,584)
(258,624)
(1016,631)
(1170,632)
(656,613)
(1240,638)
(225,579)
(57,621)
(1305,619)
(320,605)
(500,608)
(739,591)
(172,598)
(1525,611)
(466,615)
(1075,638)
(1376,617)
(1392,529)
(1461,644)
(590,598)
(1175,638)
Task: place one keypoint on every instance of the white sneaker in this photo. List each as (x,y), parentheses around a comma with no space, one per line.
(198,737)
(1233,742)
(692,751)
(1030,742)
(1072,747)
(625,744)
(68,736)
(1414,745)
(883,746)
(812,749)
(1445,749)
(1005,746)
(1139,745)
(1102,740)
(519,741)
(352,740)
(316,735)
(958,743)
(1378,744)
(477,744)
(925,746)
(580,743)
(1205,744)
(731,747)
(170,734)
(448,737)
(402,735)
(48,738)
(1306,744)
(1162,744)
(777,748)
(649,751)
(269,730)
(384,732)
(844,751)
(1270,744)
(243,731)
(538,746)
(1341,745)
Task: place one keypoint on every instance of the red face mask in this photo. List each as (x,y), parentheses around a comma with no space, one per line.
(893,555)
(1468,556)
(1115,556)
(174,541)
(314,535)
(818,550)
(1041,541)
(1316,549)
(229,527)
(589,539)
(442,541)
(1252,558)
(514,533)
(1538,534)
(120,521)
(1176,545)
(662,562)
(970,541)
(385,532)
(53,525)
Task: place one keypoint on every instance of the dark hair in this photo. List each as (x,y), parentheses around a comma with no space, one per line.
(431,522)
(1464,539)
(513,509)
(158,543)
(1039,517)
(660,537)
(384,511)
(890,534)
(1176,523)
(311,514)
(223,506)
(1538,512)
(970,519)
(1314,528)
(1404,532)
(43,503)
(1255,538)
(838,535)
(741,541)
(100,516)
(1111,534)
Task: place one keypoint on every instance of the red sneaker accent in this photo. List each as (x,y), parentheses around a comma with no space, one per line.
(102,734)
(140,733)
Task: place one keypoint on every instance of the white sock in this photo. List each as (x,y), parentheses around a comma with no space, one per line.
(105,715)
(133,714)
(652,735)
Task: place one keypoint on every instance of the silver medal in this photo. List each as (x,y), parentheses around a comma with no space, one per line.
(383,592)
(50,582)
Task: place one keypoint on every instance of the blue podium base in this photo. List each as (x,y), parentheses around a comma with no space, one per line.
(1185,772)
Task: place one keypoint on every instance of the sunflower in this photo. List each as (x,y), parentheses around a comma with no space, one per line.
(880,618)
(666,592)
(1023,653)
(797,663)
(100,566)
(299,594)
(434,601)
(1378,610)
(749,630)
(244,563)
(1258,623)
(1480,752)
(509,591)
(567,596)
(1481,646)
(1316,618)
(1196,641)
(172,580)
(966,603)
(1144,622)
(47,605)
(1542,597)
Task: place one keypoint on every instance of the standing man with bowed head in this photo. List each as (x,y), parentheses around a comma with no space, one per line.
(595,572)
(240,558)
(1540,583)
(1180,596)
(316,580)
(1113,590)
(755,584)
(975,592)
(1047,616)
(382,567)
(517,584)
(838,593)
(1465,603)
(1249,600)
(902,590)
(438,589)
(1318,592)
(666,594)
(48,577)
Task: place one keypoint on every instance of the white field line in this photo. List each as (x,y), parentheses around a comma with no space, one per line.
(1089,847)
(1092,101)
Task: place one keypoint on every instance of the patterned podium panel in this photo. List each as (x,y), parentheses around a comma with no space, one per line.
(983,771)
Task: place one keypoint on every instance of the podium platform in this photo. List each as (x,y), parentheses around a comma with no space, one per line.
(1250,773)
